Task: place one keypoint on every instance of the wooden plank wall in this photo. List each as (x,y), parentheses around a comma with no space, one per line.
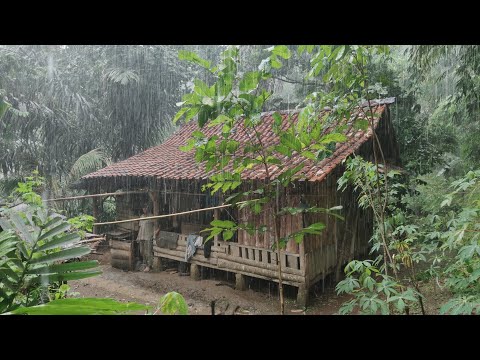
(128,207)
(265,240)
(122,256)
(173,201)
(341,240)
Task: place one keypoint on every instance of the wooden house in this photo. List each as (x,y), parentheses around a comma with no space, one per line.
(173,180)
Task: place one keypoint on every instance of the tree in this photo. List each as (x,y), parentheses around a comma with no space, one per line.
(452,71)
(68,104)
(237,97)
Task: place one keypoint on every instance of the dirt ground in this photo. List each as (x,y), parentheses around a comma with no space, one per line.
(147,288)
(260,299)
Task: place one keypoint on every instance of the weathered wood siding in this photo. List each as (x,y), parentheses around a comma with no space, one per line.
(289,224)
(312,260)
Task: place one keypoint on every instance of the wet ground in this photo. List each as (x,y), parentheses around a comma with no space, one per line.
(147,288)
(260,299)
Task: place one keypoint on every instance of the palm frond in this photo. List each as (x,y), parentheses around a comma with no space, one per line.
(121,76)
(89,162)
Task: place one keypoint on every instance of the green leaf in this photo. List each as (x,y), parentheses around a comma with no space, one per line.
(275,63)
(7,283)
(291,142)
(315,228)
(284,150)
(277,118)
(340,53)
(282,51)
(232,146)
(3,107)
(81,306)
(189,146)
(51,222)
(224,85)
(220,119)
(249,81)
(193,57)
(173,303)
(227,235)
(226,224)
(298,238)
(333,137)
(65,267)
(361,124)
(61,241)
(56,230)
(180,113)
(62,255)
(5,224)
(202,89)
(309,155)
(203,115)
(213,232)
(69,276)
(334,208)
(20,226)
(257,208)
(207,101)
(10,273)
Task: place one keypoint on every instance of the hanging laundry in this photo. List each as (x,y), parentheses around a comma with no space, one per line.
(193,242)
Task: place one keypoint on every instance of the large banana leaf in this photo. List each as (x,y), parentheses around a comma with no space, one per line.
(82,306)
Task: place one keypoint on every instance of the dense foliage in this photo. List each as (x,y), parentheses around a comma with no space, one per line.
(40,252)
(69,110)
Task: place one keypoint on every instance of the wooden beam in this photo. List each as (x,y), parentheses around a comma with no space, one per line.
(96,214)
(271,275)
(258,264)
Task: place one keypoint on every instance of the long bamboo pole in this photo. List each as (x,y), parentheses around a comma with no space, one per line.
(119,193)
(168,215)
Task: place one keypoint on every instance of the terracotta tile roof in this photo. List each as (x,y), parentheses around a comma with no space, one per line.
(169,162)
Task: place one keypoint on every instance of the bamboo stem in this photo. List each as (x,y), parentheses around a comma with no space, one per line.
(119,193)
(168,215)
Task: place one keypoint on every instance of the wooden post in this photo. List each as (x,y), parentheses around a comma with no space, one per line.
(195,271)
(157,263)
(240,283)
(156,205)
(302,295)
(216,216)
(96,214)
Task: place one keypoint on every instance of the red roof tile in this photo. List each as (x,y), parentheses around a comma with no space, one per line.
(168,161)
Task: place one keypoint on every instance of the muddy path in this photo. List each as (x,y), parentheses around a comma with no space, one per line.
(147,288)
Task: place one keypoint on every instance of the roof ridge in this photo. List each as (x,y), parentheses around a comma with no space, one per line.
(167,161)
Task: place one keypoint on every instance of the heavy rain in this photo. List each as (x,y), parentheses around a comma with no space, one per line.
(237,180)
